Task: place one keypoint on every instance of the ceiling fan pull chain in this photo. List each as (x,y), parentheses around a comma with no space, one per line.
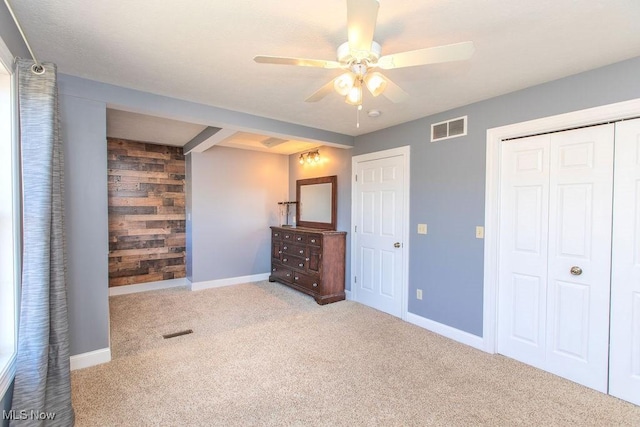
(358,108)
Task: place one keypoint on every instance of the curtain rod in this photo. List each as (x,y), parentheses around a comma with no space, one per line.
(36,68)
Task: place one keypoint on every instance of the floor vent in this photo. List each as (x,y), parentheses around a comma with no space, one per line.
(177,334)
(449,129)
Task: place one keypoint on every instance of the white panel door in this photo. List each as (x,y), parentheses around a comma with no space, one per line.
(624,369)
(522,304)
(579,271)
(556,195)
(379,198)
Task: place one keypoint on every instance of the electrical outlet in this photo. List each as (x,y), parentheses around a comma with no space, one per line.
(422,228)
(419,293)
(479,232)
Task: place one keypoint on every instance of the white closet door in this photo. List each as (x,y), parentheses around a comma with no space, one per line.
(624,370)
(580,210)
(556,195)
(522,304)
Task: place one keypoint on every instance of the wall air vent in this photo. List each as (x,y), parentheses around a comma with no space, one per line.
(449,129)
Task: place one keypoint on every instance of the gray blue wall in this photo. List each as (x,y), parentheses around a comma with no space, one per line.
(84,133)
(234,199)
(448,182)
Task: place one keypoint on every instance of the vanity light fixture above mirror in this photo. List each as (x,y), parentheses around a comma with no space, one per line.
(312,156)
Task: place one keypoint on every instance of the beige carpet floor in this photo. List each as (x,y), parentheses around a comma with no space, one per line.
(263,354)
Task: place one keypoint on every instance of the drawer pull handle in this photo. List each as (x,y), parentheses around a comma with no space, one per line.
(299,238)
(301,265)
(273,269)
(284,259)
(288,274)
(301,251)
(285,248)
(295,278)
(315,285)
(279,252)
(306,259)
(313,240)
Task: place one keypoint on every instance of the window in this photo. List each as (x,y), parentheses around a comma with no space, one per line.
(9,220)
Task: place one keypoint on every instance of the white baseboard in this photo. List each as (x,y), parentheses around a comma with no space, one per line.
(91,358)
(447,331)
(149,286)
(198,286)
(347,294)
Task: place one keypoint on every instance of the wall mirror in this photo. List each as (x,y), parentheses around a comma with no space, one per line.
(317,202)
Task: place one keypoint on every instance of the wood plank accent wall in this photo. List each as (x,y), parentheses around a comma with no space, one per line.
(146,212)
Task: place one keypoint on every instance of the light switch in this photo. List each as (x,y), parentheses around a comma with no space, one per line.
(479,232)
(422,228)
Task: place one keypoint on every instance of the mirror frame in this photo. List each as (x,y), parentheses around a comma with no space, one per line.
(333,180)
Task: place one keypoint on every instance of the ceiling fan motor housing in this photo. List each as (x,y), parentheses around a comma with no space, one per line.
(351,56)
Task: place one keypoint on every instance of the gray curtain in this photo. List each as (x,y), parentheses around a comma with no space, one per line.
(42,384)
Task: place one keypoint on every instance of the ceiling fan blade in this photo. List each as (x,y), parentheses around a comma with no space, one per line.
(321,93)
(394,93)
(361,23)
(430,55)
(281,60)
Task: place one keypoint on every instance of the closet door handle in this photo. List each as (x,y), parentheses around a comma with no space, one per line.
(575,270)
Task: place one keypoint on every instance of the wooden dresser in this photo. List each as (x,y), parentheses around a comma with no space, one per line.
(309,260)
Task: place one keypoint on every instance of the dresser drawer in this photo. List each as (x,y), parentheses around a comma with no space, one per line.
(294,261)
(314,239)
(300,238)
(287,236)
(297,250)
(307,281)
(280,273)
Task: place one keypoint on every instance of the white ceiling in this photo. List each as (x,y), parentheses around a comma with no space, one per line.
(203,50)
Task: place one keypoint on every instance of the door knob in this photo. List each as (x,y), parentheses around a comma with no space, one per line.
(575,270)
(396,245)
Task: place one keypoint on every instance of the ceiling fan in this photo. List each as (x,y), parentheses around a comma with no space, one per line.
(360,56)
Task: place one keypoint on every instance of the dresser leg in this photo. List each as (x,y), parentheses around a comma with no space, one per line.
(328,299)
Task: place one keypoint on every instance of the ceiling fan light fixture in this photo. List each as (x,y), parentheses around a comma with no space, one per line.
(344,83)
(376,83)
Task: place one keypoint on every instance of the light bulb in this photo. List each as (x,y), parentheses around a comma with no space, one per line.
(301,159)
(354,97)
(316,156)
(343,83)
